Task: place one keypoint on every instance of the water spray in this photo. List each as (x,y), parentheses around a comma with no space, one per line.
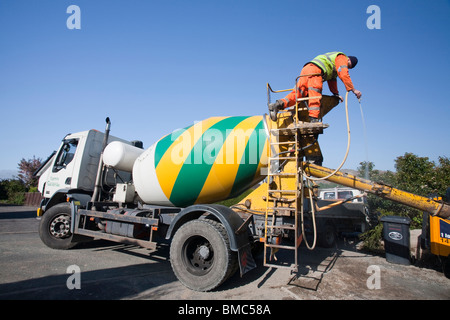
(366,170)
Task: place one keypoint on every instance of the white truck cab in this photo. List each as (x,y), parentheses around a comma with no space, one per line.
(73,168)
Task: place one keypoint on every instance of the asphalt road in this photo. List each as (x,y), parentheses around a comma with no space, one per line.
(110,271)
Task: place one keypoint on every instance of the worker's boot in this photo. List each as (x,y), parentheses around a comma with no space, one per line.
(274,108)
(313,120)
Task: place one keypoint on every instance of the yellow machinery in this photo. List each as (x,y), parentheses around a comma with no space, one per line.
(294,164)
(439,236)
(436,236)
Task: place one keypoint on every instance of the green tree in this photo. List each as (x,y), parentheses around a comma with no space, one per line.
(442,176)
(413,174)
(377,204)
(367,170)
(12,191)
(26,170)
(423,177)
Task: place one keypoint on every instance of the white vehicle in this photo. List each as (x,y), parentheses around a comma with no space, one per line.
(341,194)
(64,174)
(351,217)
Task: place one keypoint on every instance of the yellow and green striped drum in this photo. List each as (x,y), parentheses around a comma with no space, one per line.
(211,160)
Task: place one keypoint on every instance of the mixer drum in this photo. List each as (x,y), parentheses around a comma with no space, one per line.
(211,160)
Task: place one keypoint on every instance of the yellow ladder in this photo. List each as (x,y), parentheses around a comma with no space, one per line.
(284,201)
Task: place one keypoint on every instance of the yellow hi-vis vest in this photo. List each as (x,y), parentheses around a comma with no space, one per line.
(326,63)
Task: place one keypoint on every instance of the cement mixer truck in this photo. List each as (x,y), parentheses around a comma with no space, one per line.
(100,186)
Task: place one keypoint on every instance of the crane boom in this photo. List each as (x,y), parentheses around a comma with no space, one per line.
(435,208)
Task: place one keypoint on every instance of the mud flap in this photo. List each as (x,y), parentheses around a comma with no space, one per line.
(246,261)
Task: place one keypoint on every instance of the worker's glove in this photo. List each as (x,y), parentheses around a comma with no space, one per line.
(274,108)
(357,94)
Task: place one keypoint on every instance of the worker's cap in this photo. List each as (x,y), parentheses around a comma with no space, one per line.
(353,60)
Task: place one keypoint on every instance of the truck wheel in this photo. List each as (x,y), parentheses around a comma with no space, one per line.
(200,255)
(54,229)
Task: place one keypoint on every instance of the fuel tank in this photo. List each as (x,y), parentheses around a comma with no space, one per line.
(121,156)
(209,161)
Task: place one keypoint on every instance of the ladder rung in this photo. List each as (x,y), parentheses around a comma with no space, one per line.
(283,174)
(280,246)
(282,158)
(292,267)
(282,143)
(305,128)
(280,129)
(309,98)
(281,208)
(287,227)
(312,127)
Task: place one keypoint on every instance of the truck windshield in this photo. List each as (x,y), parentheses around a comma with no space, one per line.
(66,154)
(329,195)
(345,194)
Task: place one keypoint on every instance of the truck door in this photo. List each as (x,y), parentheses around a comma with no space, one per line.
(60,176)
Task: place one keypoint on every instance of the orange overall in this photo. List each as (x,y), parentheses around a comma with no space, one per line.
(311,86)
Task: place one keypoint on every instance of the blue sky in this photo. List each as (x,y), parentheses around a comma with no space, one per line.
(154,66)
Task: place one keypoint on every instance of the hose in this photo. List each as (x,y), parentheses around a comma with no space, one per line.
(348,146)
(309,179)
(313,220)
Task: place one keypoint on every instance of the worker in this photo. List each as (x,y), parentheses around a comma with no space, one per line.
(325,67)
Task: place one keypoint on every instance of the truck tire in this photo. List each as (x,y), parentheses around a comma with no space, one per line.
(200,255)
(54,229)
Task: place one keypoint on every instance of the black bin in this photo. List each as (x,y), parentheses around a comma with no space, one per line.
(396,239)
